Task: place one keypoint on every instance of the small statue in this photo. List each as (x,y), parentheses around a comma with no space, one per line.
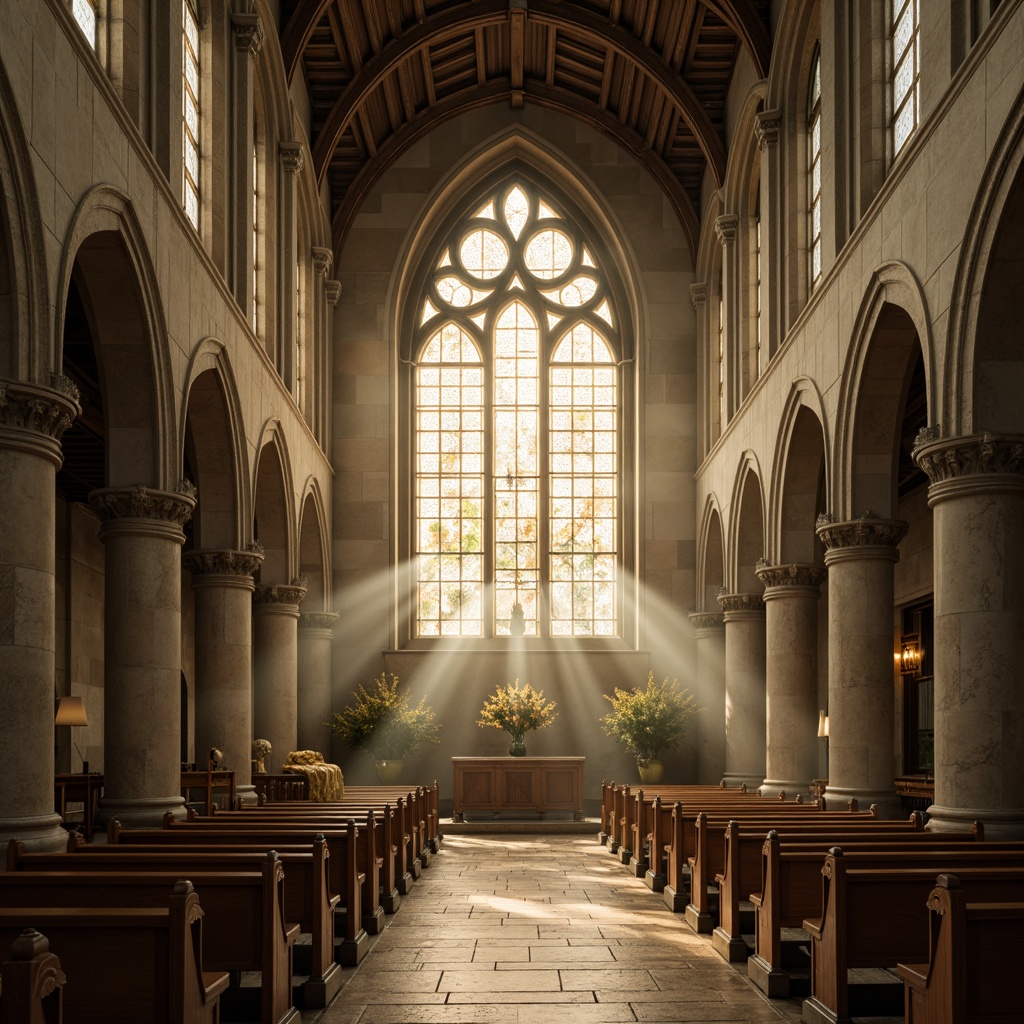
(261,750)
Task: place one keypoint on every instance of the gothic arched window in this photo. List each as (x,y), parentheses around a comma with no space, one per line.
(516,432)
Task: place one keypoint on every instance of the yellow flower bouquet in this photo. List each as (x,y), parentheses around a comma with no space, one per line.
(517,709)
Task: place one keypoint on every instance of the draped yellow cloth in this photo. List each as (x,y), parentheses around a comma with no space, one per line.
(325,780)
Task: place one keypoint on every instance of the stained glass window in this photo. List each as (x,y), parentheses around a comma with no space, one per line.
(814,170)
(516,452)
(906,70)
(190,111)
(85,14)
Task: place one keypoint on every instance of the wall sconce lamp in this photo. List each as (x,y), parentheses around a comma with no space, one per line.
(71,712)
(909,657)
(822,725)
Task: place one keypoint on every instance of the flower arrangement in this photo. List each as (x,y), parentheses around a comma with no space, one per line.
(382,722)
(261,750)
(517,709)
(650,720)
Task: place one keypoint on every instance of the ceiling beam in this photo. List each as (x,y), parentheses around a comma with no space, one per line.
(742,17)
(304,19)
(570,18)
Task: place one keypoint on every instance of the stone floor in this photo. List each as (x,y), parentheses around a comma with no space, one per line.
(547,928)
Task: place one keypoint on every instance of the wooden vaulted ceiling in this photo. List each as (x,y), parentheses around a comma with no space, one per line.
(651,73)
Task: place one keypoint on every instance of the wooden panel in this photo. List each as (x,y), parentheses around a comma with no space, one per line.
(537,784)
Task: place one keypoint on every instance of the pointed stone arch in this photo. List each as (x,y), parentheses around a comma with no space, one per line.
(212,426)
(746,528)
(983,366)
(891,325)
(711,556)
(273,506)
(26,351)
(314,549)
(106,251)
(800,473)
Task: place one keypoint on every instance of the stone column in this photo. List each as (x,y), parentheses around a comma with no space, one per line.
(275,622)
(323,259)
(791,676)
(709,634)
(222,585)
(32,420)
(860,555)
(977,497)
(316,632)
(142,537)
(726,228)
(773,205)
(248,36)
(332,292)
(744,688)
(292,159)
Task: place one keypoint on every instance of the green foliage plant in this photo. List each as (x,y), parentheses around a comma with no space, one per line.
(650,720)
(517,709)
(381,721)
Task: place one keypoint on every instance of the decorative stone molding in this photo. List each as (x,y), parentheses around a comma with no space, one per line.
(332,289)
(248,30)
(707,620)
(223,563)
(110,503)
(866,531)
(766,127)
(726,226)
(47,411)
(698,293)
(795,574)
(971,455)
(741,602)
(293,156)
(318,620)
(280,593)
(322,259)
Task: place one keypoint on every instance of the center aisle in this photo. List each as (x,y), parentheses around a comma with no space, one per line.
(510,929)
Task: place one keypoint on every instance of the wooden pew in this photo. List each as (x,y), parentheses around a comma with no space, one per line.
(874,915)
(682,838)
(741,876)
(391,852)
(307,899)
(975,951)
(31,982)
(353,874)
(244,921)
(790,892)
(128,965)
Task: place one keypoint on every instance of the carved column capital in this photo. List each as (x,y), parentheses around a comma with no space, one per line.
(707,620)
(280,593)
(224,563)
(248,31)
(726,227)
(740,602)
(173,507)
(293,156)
(698,293)
(332,289)
(318,620)
(323,258)
(867,531)
(973,455)
(32,409)
(795,574)
(766,127)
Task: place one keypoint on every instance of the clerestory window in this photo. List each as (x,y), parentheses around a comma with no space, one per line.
(85,14)
(516,429)
(190,112)
(906,70)
(814,170)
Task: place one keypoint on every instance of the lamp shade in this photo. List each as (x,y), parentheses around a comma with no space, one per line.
(71,711)
(822,724)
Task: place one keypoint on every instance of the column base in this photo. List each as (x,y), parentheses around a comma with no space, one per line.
(146,812)
(999,823)
(40,833)
(887,803)
(247,794)
(772,788)
(733,780)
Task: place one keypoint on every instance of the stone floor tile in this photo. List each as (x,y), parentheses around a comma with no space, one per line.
(500,981)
